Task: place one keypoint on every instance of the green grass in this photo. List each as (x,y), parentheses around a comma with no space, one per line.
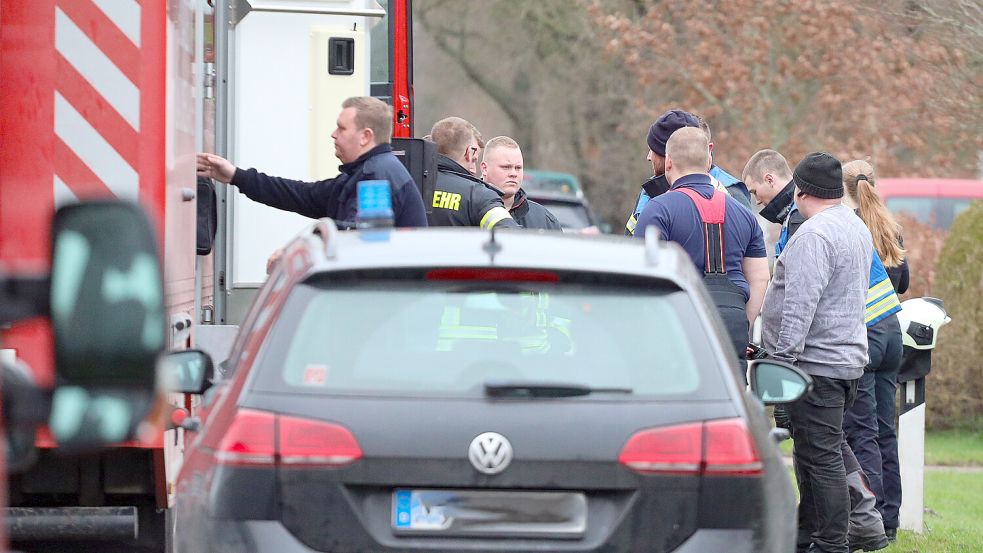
(948,447)
(953,520)
(953,516)
(954,447)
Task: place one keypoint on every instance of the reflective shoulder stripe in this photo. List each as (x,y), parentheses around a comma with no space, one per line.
(630,225)
(878,290)
(882,308)
(493,216)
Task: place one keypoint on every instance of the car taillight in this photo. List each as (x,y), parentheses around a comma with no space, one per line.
(729,449)
(259,438)
(669,450)
(250,440)
(720,447)
(306,442)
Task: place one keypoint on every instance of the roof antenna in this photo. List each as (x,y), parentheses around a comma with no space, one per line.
(491,246)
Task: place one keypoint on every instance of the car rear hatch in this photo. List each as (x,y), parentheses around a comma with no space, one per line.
(382,395)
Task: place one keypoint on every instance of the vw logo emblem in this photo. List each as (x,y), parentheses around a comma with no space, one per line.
(490,453)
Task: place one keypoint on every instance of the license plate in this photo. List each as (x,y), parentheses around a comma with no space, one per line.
(490,513)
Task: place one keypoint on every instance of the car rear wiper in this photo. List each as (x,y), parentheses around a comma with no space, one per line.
(532,389)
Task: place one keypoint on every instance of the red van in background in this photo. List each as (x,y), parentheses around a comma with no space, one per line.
(932,201)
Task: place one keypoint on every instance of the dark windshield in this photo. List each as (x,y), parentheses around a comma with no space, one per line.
(572,216)
(448,338)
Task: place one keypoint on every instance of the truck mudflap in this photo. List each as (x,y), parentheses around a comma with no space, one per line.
(71,523)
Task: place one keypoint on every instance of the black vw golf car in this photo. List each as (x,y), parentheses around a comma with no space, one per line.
(459,390)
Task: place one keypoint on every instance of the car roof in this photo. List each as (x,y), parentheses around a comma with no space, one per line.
(514,248)
(940,188)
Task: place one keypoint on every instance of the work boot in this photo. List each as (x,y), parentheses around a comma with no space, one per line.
(870,543)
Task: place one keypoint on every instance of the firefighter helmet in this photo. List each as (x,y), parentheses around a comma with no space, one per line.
(921,319)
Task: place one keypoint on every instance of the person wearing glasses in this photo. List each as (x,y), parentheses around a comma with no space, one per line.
(460,199)
(813,317)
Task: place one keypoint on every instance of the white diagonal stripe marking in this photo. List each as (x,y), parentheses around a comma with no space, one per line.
(125,14)
(63,194)
(97,69)
(94,151)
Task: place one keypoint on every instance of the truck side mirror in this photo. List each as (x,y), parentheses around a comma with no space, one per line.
(187,371)
(775,382)
(107,313)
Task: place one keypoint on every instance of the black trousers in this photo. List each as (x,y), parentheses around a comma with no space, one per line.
(817,431)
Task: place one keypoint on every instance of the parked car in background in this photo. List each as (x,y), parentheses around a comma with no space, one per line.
(460,390)
(551,182)
(562,195)
(935,202)
(574,213)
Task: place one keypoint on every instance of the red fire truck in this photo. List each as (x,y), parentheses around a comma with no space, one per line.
(112,98)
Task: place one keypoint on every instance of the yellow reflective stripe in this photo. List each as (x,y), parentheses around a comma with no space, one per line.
(493,216)
(879,289)
(630,225)
(881,307)
(451,316)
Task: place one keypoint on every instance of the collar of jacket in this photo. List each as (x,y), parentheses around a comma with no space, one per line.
(696,181)
(349,168)
(519,205)
(656,186)
(448,165)
(780,206)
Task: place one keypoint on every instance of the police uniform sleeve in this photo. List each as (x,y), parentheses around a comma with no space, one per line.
(486,210)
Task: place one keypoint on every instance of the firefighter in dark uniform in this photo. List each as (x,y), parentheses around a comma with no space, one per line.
(460,199)
(501,167)
(720,235)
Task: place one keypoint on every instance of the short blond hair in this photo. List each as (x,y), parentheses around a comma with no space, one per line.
(689,149)
(452,135)
(499,142)
(766,161)
(372,113)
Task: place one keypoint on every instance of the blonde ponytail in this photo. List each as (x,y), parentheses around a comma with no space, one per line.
(859,180)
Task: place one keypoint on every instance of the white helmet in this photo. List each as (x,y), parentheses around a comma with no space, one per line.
(921,319)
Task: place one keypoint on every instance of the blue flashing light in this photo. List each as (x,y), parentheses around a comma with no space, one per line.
(375,204)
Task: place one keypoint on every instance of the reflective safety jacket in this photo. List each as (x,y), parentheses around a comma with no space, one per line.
(537,335)
(462,200)
(882,300)
(658,185)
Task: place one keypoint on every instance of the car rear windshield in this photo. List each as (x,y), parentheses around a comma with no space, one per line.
(445,338)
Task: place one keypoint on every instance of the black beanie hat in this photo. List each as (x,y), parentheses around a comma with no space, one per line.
(819,174)
(670,122)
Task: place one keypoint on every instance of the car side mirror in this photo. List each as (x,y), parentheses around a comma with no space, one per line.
(107,314)
(775,382)
(187,371)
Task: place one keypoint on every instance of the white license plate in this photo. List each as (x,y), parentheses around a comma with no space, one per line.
(490,513)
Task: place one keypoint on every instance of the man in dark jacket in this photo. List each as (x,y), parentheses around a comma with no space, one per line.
(362,144)
(502,169)
(460,198)
(660,131)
